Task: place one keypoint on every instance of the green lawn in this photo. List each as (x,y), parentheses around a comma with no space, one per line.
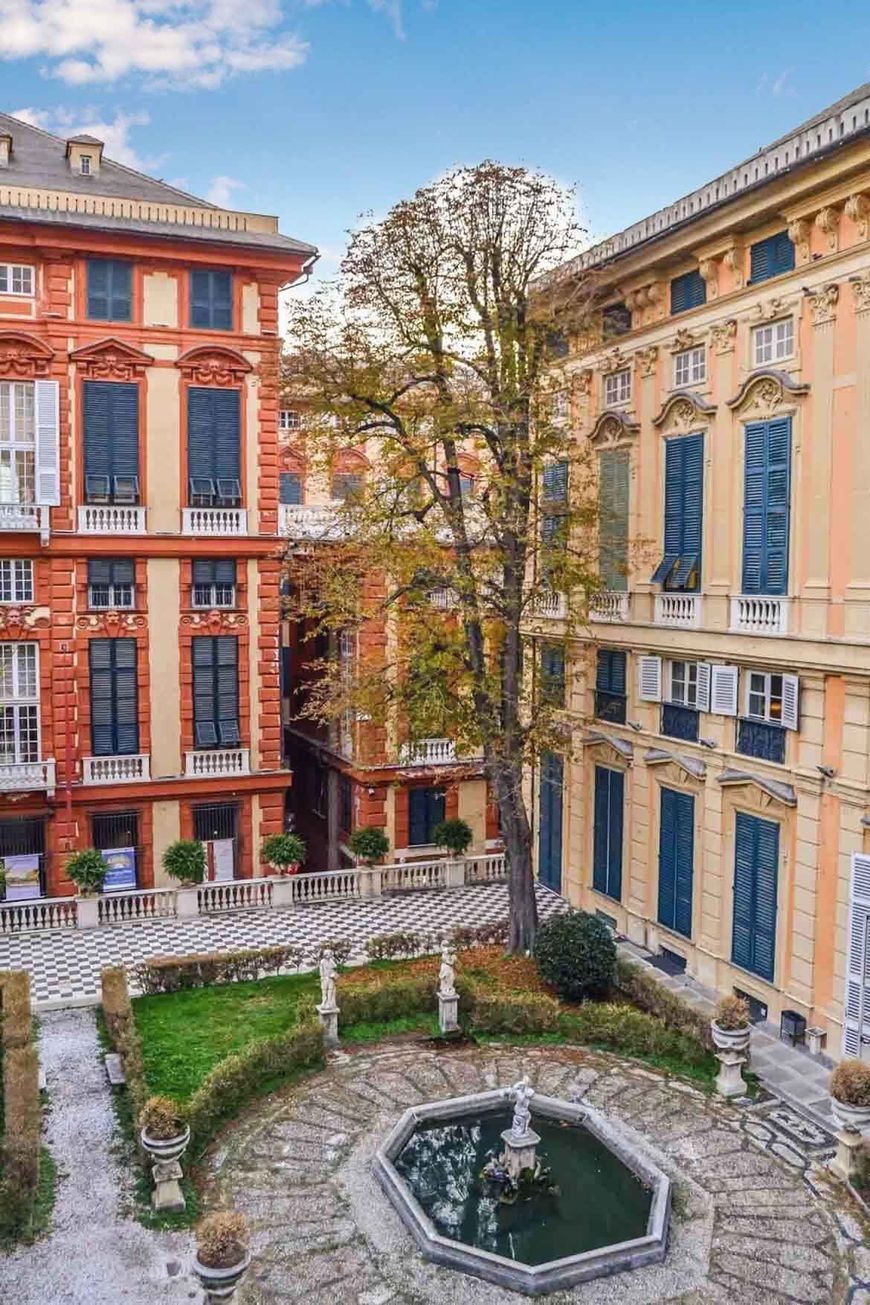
(185,1034)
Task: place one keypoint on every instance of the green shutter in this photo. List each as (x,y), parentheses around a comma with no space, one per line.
(607,832)
(756,860)
(613,512)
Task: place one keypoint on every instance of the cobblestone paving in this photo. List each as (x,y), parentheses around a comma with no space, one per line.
(756,1217)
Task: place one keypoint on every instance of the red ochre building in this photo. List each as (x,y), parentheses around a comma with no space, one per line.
(139,495)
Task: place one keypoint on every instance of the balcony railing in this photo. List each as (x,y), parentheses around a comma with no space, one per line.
(24,516)
(682,611)
(445,600)
(759,614)
(214,521)
(26,776)
(116,770)
(680,722)
(428,752)
(111,519)
(209,763)
(311,521)
(550,605)
(610,607)
(758,738)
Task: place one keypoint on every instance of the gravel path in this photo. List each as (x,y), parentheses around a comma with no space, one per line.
(93,1254)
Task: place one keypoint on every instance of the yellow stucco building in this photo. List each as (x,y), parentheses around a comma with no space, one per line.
(715,804)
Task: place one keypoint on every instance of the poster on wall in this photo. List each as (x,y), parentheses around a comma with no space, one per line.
(22,877)
(223,859)
(122,868)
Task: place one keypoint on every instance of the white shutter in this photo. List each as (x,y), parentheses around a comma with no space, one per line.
(856,1003)
(650,679)
(723,690)
(790,700)
(703,686)
(46,405)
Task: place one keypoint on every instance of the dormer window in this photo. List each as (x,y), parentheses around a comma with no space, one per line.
(85,154)
(5,149)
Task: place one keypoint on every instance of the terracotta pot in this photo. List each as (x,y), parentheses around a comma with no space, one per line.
(855,1119)
(165,1148)
(730,1039)
(220,1284)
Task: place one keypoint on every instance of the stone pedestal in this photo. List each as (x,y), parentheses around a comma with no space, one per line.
(371,881)
(519,1152)
(167,1195)
(87,912)
(729,1080)
(816,1040)
(329,1020)
(282,892)
(454,874)
(448,1012)
(849,1143)
(187,902)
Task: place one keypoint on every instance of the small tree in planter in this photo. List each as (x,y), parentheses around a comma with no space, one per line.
(730,1024)
(455,835)
(222,1254)
(184,860)
(369,844)
(87,870)
(283,852)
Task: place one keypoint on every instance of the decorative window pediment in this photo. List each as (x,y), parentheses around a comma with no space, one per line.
(22,356)
(621,749)
(680,766)
(767,391)
(612,427)
(209,364)
(111,360)
(761,792)
(683,411)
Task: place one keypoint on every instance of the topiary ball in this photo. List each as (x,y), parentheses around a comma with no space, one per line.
(576,954)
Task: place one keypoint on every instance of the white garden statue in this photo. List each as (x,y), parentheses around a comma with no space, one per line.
(522,1094)
(447,972)
(327,980)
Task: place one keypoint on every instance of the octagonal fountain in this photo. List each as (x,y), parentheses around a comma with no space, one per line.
(528,1191)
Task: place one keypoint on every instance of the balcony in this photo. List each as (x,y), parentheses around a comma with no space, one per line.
(111,519)
(610,607)
(128,769)
(216,763)
(428,752)
(680,722)
(758,738)
(445,600)
(24,516)
(214,521)
(26,776)
(678,611)
(550,605)
(311,521)
(759,614)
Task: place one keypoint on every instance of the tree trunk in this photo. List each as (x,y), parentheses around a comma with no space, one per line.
(517,836)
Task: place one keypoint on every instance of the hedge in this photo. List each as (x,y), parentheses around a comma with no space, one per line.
(632,1032)
(123,1034)
(647,994)
(523,1013)
(22,1108)
(203,970)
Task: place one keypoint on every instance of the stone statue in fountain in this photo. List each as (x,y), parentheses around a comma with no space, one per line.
(447,972)
(327,980)
(522,1093)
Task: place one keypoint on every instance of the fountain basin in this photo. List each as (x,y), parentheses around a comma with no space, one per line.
(611,1212)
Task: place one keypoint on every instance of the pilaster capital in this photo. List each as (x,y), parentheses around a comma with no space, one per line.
(823,303)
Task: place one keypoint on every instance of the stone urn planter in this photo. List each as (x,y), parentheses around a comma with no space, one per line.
(164,1148)
(222,1255)
(729,1039)
(164,1137)
(729,1029)
(856,1119)
(220,1284)
(850,1107)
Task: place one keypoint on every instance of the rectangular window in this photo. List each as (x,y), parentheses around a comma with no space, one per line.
(214,582)
(766,498)
(214,447)
(346,485)
(111,428)
(425,811)
(288,419)
(684,684)
(22,851)
(559,406)
(19,702)
(690,367)
(215,822)
(613,482)
(17,442)
(607,832)
(17,279)
(211,300)
(16,580)
(110,290)
(553,675)
(555,482)
(617,387)
(771,257)
(688,291)
(111,583)
(764,697)
(615,320)
(216,691)
(680,568)
(610,692)
(114,697)
(290,487)
(116,835)
(773,342)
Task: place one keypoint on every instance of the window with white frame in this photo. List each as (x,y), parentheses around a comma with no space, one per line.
(690,366)
(288,419)
(17,279)
(773,342)
(764,697)
(684,684)
(617,387)
(17,442)
(16,580)
(19,702)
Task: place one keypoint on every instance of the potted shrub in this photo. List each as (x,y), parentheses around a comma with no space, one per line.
(850,1095)
(730,1024)
(454,835)
(162,1131)
(369,844)
(184,860)
(87,870)
(284,853)
(222,1253)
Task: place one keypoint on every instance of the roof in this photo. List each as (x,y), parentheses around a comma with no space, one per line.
(39,163)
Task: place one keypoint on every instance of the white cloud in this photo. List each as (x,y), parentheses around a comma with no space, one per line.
(178,43)
(114,132)
(776,85)
(220,191)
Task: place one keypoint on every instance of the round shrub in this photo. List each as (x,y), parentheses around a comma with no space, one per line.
(850,1083)
(185,861)
(369,844)
(283,850)
(87,870)
(455,835)
(575,953)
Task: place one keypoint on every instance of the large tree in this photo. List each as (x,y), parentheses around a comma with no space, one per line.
(437,351)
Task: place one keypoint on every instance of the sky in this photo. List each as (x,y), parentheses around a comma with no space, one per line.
(322,110)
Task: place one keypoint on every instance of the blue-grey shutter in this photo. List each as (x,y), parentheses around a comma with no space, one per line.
(203,571)
(771,257)
(211,300)
(756,858)
(291,487)
(110,290)
(98,288)
(613,512)
(126,697)
(225,571)
(556,481)
(607,833)
(204,699)
(111,424)
(553,675)
(676,861)
(610,671)
(227,688)
(111,571)
(688,291)
(684,509)
(766,492)
(425,811)
(550,822)
(114,697)
(213,434)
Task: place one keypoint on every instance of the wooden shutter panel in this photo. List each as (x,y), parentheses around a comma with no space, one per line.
(120,276)
(227,434)
(46,410)
(754,505)
(778,451)
(766,871)
(791,702)
(200,420)
(723,690)
(98,288)
(204,704)
(856,1004)
(667,858)
(102,708)
(200,299)
(124,429)
(97,414)
(126,697)
(227,679)
(600,829)
(613,513)
(759,261)
(607,835)
(676,860)
(290,487)
(225,571)
(703,686)
(213,434)
(417,804)
(688,291)
(650,679)
(744,889)
(674,498)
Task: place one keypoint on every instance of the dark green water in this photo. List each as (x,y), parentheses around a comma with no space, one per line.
(599,1201)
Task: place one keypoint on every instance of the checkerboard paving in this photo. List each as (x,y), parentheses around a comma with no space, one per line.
(65,964)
